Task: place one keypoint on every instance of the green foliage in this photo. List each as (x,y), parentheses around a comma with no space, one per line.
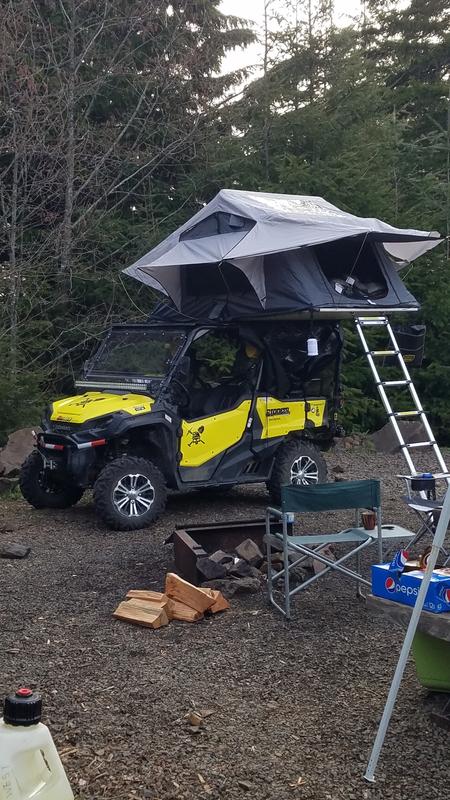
(364,121)
(21,402)
(361,410)
(216,355)
(114,130)
(104,107)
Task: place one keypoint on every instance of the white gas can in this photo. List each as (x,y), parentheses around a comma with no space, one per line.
(30,766)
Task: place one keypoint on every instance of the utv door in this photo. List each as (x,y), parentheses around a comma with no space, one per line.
(292,415)
(216,420)
(205,440)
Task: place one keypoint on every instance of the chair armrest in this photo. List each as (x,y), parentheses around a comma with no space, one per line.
(273,512)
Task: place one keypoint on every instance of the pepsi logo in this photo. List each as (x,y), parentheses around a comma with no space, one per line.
(389,584)
(447,596)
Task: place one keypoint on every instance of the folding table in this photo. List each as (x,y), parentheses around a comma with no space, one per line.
(355,495)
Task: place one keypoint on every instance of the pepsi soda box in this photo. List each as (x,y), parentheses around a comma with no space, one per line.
(389,582)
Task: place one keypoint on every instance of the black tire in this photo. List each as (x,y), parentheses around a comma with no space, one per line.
(296,457)
(113,487)
(38,489)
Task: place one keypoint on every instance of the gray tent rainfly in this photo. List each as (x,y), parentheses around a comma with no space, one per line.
(245,253)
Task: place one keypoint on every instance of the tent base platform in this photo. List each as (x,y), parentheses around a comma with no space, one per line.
(329,313)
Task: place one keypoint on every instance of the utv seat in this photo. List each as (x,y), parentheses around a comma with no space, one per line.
(223,397)
(196,405)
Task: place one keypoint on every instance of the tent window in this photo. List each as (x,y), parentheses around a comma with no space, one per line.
(352,268)
(206,280)
(218,223)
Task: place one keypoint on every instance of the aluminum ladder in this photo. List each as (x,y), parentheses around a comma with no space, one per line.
(406,382)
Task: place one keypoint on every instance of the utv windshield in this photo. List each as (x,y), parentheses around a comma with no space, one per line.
(146,353)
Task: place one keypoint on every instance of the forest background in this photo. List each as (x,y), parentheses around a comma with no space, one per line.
(117,123)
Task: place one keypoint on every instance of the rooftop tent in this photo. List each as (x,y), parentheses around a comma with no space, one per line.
(247,253)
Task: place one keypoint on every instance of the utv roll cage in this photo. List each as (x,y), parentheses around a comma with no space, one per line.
(286,369)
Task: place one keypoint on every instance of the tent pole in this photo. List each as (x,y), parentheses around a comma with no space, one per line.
(438,541)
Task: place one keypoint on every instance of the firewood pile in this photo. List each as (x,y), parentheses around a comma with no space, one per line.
(221,576)
(180,600)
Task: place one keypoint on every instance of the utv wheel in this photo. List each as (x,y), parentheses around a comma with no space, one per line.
(40,490)
(298,463)
(130,493)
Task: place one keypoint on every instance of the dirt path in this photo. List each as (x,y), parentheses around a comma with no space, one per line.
(295,706)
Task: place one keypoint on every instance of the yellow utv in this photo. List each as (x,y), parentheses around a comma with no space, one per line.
(185,405)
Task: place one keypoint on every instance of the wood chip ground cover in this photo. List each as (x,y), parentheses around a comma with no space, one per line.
(292,709)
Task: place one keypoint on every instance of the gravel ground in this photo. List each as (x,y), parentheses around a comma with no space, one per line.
(295,707)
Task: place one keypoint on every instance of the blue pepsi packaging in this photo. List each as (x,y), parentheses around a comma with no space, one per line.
(403,587)
(398,563)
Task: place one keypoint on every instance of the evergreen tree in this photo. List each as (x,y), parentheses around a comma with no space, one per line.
(103,108)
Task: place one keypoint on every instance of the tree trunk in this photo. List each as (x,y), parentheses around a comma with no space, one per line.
(448,176)
(266,123)
(66,232)
(15,278)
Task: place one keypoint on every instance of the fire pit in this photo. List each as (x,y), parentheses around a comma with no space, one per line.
(194,542)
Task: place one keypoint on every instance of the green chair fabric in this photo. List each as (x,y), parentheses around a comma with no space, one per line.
(331,496)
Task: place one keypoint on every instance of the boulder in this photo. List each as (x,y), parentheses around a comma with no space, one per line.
(13,454)
(14,551)
(276,567)
(231,586)
(220,557)
(210,569)
(8,484)
(385,440)
(240,569)
(249,551)
(319,566)
(277,557)
(247,585)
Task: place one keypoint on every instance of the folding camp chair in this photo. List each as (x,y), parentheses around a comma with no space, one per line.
(422,501)
(357,495)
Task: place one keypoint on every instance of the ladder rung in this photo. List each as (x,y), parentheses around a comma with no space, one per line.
(367,323)
(394,383)
(418,444)
(384,352)
(404,380)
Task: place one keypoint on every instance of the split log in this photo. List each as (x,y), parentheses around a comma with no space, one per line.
(220,603)
(192,596)
(138,614)
(184,613)
(150,605)
(157,599)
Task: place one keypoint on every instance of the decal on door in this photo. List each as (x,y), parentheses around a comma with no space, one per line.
(196,436)
(204,439)
(280,417)
(277,412)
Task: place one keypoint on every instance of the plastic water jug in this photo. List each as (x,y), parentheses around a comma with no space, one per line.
(30,766)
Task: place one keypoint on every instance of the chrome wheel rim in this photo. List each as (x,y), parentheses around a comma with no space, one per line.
(304,471)
(133,495)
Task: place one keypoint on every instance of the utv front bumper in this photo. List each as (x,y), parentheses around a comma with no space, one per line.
(71,460)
